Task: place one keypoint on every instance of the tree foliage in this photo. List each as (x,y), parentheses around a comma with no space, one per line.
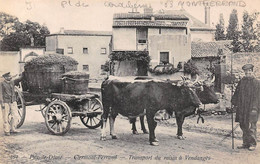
(232,30)
(20,34)
(249,33)
(7,23)
(220,29)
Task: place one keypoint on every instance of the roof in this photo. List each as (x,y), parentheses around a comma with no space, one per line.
(195,24)
(149,16)
(83,32)
(209,49)
(150,20)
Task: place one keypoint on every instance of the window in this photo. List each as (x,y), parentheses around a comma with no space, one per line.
(60,51)
(85,68)
(142,35)
(85,50)
(164,57)
(142,41)
(70,50)
(103,51)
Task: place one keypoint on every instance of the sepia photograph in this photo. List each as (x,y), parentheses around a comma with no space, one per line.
(129,81)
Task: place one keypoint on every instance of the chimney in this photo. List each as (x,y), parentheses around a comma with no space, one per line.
(148,10)
(207,15)
(62,30)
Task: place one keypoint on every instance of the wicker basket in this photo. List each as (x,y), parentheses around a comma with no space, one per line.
(44,77)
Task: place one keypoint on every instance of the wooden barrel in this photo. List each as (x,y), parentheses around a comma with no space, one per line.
(75,82)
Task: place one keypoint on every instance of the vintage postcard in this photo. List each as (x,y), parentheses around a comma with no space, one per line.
(129,81)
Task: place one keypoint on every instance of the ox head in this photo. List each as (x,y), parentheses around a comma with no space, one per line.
(189,97)
(204,89)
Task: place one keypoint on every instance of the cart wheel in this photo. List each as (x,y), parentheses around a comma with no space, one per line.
(20,107)
(58,117)
(92,119)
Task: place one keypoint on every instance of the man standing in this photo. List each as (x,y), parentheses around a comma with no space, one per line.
(8,102)
(246,100)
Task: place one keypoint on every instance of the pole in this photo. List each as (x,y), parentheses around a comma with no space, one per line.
(232,85)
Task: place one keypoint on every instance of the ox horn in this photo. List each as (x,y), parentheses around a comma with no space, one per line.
(196,80)
(213,79)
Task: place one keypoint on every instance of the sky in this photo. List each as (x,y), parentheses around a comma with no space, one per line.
(97,15)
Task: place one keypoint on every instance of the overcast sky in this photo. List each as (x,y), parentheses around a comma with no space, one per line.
(97,14)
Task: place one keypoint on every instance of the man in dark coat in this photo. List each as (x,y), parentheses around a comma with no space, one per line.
(8,102)
(246,100)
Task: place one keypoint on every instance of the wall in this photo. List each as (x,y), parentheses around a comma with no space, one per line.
(205,36)
(51,43)
(26,56)
(240,59)
(124,39)
(94,58)
(204,64)
(9,62)
(178,46)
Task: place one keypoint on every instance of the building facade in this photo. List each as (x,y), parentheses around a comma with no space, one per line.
(90,48)
(166,37)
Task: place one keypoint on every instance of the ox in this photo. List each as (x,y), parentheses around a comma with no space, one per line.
(206,94)
(139,97)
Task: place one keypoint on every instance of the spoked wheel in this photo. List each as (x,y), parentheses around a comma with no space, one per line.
(20,107)
(58,117)
(92,116)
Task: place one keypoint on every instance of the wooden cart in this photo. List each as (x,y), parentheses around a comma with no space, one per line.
(59,109)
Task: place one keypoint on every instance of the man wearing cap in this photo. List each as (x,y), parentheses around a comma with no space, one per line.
(8,102)
(246,100)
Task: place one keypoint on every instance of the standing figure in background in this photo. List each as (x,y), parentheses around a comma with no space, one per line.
(246,101)
(8,102)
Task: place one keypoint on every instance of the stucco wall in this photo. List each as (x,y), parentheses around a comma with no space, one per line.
(124,39)
(204,36)
(9,62)
(94,58)
(51,43)
(178,46)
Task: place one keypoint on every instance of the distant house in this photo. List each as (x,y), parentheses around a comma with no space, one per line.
(89,48)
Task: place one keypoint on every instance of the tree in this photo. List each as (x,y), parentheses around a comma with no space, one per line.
(14,41)
(22,34)
(7,23)
(249,33)
(232,29)
(219,34)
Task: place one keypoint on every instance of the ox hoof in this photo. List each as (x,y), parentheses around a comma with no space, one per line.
(154,143)
(180,137)
(103,138)
(135,132)
(145,131)
(114,136)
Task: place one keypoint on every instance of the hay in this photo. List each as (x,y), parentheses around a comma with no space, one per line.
(51,59)
(75,73)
